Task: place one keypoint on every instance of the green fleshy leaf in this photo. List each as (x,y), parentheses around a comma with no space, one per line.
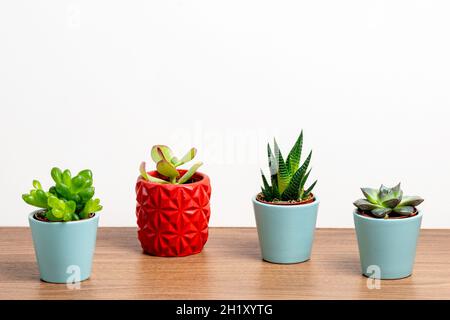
(189,174)
(160,152)
(405,211)
(190,155)
(370,194)
(292,192)
(391,203)
(293,159)
(167,169)
(381,212)
(308,191)
(92,206)
(149,177)
(398,193)
(283,173)
(273,164)
(365,205)
(37,185)
(413,201)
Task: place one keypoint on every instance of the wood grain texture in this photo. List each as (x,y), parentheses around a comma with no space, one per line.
(230,267)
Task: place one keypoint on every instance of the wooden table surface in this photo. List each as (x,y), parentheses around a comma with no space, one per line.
(230,267)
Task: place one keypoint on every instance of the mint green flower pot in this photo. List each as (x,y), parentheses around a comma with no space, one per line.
(64,250)
(286,232)
(387,247)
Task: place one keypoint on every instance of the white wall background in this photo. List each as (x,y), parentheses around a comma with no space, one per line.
(95,83)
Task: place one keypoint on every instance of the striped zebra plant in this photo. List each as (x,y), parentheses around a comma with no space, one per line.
(288,178)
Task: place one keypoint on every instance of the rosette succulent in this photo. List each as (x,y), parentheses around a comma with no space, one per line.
(70,199)
(288,178)
(382,202)
(167,164)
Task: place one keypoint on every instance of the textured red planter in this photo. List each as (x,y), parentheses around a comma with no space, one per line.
(173,219)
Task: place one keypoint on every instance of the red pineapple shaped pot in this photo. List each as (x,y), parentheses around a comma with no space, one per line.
(173,218)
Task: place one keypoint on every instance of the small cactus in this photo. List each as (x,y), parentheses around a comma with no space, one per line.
(288,178)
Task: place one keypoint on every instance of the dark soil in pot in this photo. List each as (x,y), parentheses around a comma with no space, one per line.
(311,199)
(393,215)
(39,216)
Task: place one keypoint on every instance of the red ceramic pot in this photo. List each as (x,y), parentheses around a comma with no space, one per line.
(173,218)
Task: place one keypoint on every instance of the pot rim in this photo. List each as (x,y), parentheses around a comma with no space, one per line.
(306,205)
(380,220)
(204,178)
(58,223)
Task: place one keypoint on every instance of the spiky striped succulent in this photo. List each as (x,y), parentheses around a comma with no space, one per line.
(384,201)
(288,178)
(167,164)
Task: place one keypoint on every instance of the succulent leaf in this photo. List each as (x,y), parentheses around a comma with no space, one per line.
(283,173)
(391,203)
(293,189)
(398,193)
(293,159)
(413,201)
(190,173)
(370,194)
(381,212)
(309,190)
(190,155)
(37,185)
(167,169)
(273,164)
(405,211)
(365,205)
(160,152)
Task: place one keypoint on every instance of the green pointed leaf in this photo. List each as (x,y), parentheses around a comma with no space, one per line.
(389,195)
(412,201)
(371,194)
(391,203)
(405,211)
(293,159)
(308,191)
(190,155)
(190,173)
(266,189)
(273,164)
(381,212)
(283,175)
(303,182)
(398,193)
(292,192)
(365,205)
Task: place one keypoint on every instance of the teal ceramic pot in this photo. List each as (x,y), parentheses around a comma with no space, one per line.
(286,232)
(387,247)
(64,250)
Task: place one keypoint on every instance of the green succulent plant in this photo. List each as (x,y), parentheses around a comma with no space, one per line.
(167,164)
(70,199)
(288,178)
(384,201)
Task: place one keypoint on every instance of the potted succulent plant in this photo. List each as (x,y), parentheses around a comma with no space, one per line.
(286,211)
(64,229)
(173,207)
(387,227)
